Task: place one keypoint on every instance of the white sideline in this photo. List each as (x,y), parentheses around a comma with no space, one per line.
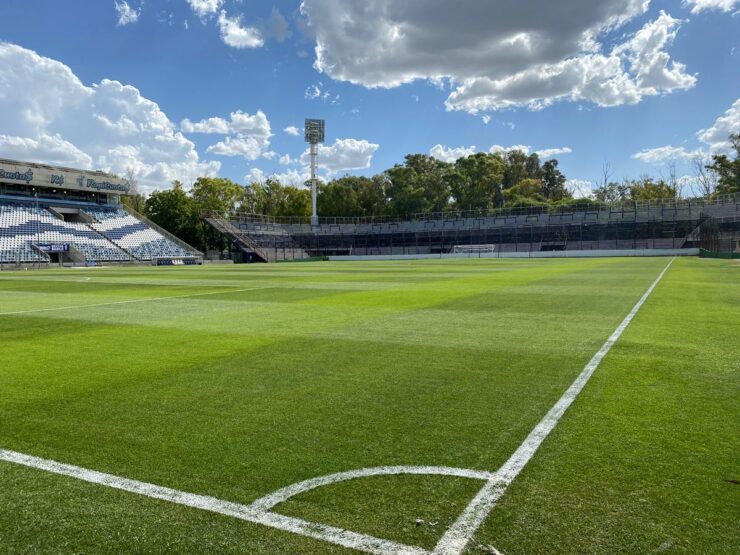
(456,538)
(34,310)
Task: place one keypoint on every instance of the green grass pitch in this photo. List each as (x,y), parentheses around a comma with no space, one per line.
(234,382)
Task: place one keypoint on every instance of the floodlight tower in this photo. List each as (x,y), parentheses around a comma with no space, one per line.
(314,134)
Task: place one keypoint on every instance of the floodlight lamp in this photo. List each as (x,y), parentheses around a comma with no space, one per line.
(314,131)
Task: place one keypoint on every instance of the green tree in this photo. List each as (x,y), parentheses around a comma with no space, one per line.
(297,202)
(476,181)
(405,195)
(612,192)
(518,165)
(728,169)
(338,198)
(353,196)
(553,182)
(136,202)
(217,194)
(419,185)
(275,199)
(529,189)
(371,195)
(175,211)
(646,188)
(264,198)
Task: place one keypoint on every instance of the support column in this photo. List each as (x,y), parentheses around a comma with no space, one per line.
(314,180)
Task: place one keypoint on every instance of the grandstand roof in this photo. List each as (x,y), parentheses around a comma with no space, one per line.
(58,177)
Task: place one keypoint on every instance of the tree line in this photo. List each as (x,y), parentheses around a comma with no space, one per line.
(422,184)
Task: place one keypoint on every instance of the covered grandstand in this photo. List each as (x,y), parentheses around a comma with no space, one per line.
(664,226)
(61,215)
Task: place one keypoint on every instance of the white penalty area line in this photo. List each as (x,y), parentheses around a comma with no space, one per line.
(131,301)
(456,538)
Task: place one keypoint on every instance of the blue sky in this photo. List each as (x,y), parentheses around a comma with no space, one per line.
(131,85)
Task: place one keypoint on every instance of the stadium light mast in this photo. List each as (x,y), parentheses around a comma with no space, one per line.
(314,131)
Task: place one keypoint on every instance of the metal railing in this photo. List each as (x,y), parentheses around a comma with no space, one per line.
(567,208)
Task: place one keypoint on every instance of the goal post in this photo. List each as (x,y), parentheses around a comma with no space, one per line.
(474,249)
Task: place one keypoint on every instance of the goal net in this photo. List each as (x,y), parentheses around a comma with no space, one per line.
(474,249)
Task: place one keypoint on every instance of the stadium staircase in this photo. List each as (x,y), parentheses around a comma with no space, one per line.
(240,238)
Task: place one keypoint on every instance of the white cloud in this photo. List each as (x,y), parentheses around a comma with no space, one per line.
(211,125)
(247,147)
(107,126)
(715,139)
(486,118)
(292,130)
(526,149)
(317,92)
(344,155)
(506,57)
(236,35)
(701,5)
(635,69)
(503,149)
(256,125)
(255,175)
(126,14)
(717,136)
(451,155)
(296,178)
(665,153)
(550,152)
(250,138)
(286,160)
(50,149)
(205,8)
(579,188)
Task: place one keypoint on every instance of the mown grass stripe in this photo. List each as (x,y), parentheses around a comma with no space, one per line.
(130,301)
(456,538)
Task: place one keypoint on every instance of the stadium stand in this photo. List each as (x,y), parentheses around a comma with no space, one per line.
(65,215)
(101,234)
(13,246)
(135,236)
(28,225)
(646,225)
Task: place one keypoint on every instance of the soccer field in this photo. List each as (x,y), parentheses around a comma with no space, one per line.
(234,382)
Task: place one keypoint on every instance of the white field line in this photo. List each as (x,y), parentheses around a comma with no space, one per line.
(247,513)
(280,496)
(454,541)
(150,299)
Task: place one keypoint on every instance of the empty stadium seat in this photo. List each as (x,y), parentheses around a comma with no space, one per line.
(134,236)
(113,236)
(23,225)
